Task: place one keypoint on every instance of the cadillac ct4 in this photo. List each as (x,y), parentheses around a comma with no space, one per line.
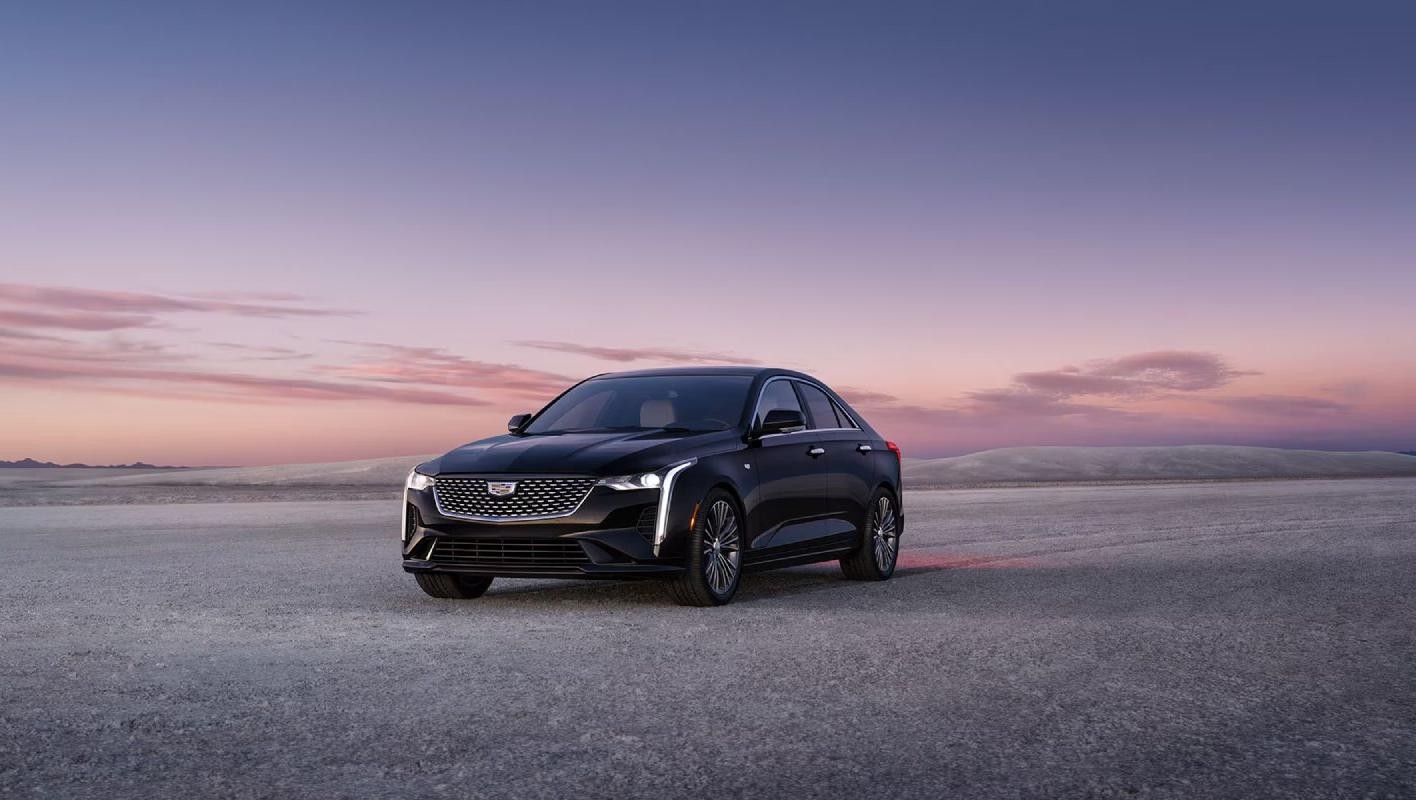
(691,475)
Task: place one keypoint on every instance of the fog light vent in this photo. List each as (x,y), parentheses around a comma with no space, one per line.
(647,518)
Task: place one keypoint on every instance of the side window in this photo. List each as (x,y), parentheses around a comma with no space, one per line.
(778,394)
(823,411)
(843,417)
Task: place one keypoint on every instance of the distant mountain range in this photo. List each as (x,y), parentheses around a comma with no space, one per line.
(29,463)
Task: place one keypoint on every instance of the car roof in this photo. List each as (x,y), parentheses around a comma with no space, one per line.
(745,371)
(754,372)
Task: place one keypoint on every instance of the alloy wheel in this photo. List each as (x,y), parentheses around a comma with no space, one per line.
(722,551)
(885,535)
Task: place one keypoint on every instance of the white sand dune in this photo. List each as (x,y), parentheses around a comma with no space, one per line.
(1008,465)
(1195,462)
(374,472)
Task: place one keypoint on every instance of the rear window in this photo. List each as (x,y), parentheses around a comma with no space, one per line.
(822,410)
(845,419)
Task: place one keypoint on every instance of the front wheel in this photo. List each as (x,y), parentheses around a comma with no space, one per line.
(714,563)
(880,546)
(447,586)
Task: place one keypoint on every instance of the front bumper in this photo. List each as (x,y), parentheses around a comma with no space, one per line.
(605,537)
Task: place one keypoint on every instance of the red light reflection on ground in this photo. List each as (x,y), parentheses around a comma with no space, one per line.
(926,561)
(918,560)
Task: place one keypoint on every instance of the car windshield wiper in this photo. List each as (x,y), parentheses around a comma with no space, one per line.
(685,429)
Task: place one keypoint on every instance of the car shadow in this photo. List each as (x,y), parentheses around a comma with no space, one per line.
(1179,586)
(756,587)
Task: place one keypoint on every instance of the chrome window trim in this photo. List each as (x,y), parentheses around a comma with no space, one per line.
(841,408)
(809,430)
(501,520)
(757,402)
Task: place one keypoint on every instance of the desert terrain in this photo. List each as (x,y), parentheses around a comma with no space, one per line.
(1232,640)
(380,478)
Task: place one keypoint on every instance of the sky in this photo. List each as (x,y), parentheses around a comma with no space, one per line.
(268,233)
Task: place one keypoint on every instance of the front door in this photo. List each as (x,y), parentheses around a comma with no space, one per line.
(792,478)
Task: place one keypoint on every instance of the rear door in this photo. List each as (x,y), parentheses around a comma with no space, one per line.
(850,467)
(791,477)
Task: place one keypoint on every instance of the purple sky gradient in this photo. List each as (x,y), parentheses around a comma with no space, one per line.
(255,234)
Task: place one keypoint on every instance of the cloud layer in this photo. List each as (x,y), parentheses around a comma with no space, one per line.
(266,305)
(626,355)
(116,363)
(126,343)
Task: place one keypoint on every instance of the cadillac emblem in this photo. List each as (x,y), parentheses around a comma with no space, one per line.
(500,488)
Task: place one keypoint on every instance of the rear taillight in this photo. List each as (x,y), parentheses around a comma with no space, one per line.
(894,448)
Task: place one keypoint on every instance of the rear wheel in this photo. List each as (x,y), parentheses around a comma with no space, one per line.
(448,586)
(880,546)
(714,563)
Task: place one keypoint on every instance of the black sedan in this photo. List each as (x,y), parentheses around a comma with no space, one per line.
(691,475)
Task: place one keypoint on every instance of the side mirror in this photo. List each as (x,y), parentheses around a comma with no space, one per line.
(515,423)
(782,420)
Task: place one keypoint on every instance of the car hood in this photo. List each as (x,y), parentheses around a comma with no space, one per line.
(608,453)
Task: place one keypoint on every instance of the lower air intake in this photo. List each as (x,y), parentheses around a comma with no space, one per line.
(647,519)
(510,555)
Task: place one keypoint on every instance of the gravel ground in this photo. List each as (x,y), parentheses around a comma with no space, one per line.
(1227,640)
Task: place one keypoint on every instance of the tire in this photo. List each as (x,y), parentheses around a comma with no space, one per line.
(447,586)
(714,564)
(879,547)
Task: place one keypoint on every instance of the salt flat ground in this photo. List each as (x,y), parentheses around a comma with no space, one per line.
(1203,640)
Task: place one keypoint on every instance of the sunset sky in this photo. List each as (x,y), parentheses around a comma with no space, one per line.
(248,234)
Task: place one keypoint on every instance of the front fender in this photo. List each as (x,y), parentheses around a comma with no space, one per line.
(731,471)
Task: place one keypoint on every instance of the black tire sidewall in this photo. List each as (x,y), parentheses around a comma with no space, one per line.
(894,509)
(695,556)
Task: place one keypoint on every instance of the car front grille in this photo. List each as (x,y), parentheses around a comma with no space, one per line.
(532,498)
(509,554)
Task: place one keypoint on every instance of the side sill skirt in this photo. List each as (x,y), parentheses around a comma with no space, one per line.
(796,559)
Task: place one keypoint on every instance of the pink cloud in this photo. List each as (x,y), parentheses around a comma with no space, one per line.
(425,365)
(399,373)
(277,297)
(1022,403)
(1283,405)
(74,320)
(1067,404)
(8,333)
(1135,399)
(629,354)
(115,348)
(97,374)
(1133,375)
(111,302)
(262,352)
(1054,393)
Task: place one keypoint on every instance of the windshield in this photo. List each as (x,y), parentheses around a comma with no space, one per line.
(651,402)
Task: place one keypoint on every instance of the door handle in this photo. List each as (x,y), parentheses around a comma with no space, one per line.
(865,448)
(816,451)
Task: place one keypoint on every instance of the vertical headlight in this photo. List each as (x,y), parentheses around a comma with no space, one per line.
(666,496)
(415,480)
